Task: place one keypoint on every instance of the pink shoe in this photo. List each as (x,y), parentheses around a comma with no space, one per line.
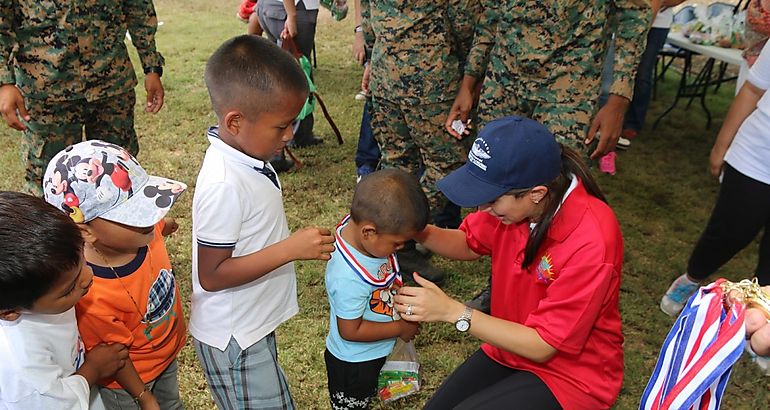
(607,163)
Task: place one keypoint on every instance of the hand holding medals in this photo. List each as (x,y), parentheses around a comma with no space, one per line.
(757,300)
(706,340)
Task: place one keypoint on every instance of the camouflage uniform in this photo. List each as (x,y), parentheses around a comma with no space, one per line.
(70,61)
(417,49)
(544,59)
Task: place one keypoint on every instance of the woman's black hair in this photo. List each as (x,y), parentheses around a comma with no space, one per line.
(571,163)
(37,244)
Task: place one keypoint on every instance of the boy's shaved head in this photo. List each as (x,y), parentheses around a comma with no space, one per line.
(250,74)
(392,200)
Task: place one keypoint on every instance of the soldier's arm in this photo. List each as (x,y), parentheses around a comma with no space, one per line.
(485,25)
(634,18)
(142,24)
(12,107)
(483,38)
(7,42)
(463,17)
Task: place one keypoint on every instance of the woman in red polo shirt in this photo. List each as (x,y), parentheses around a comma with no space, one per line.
(553,339)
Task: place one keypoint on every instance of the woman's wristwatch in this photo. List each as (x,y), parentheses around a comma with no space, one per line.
(463,323)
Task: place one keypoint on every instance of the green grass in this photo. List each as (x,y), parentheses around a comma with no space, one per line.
(662,195)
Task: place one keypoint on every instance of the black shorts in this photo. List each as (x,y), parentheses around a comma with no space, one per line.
(352,385)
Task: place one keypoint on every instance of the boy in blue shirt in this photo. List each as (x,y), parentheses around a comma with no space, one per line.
(389,208)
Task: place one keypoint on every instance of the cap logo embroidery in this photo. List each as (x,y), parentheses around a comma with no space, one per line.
(479,153)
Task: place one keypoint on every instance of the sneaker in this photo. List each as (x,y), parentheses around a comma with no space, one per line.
(481,302)
(306,142)
(629,133)
(411,261)
(281,164)
(245,10)
(677,295)
(364,170)
(623,143)
(607,163)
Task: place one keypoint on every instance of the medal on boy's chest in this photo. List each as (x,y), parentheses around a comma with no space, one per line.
(383,277)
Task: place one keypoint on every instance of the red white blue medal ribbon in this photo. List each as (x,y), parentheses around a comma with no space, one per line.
(360,270)
(697,357)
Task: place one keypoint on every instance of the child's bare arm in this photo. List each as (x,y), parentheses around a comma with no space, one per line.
(360,330)
(129,379)
(218,269)
(103,361)
(170,226)
(449,243)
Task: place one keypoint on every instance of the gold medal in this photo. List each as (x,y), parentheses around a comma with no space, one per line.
(749,293)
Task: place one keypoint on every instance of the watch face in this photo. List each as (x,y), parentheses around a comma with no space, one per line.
(463,325)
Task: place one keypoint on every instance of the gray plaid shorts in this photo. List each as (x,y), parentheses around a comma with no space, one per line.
(245,379)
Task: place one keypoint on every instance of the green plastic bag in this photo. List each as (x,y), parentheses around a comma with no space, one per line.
(338,8)
(309,106)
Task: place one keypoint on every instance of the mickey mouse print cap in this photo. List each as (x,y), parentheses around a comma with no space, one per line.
(510,153)
(97,179)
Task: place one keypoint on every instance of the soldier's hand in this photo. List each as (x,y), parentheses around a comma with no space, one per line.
(155,93)
(608,122)
(461,108)
(12,107)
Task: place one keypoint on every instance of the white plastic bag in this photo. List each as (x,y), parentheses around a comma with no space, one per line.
(400,376)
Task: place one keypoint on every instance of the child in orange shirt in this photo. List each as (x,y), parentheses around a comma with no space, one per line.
(135,298)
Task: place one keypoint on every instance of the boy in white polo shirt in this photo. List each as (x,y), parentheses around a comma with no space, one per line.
(244,284)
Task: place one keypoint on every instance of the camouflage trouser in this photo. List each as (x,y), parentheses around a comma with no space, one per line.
(56,125)
(568,121)
(413,138)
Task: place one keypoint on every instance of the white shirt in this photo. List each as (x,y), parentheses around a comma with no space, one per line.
(236,206)
(39,355)
(749,152)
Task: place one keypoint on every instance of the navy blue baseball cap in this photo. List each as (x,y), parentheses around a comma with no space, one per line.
(510,153)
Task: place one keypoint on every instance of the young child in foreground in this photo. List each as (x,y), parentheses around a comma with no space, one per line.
(42,275)
(135,298)
(389,208)
(244,285)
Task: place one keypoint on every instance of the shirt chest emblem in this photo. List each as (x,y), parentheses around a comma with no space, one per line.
(545,272)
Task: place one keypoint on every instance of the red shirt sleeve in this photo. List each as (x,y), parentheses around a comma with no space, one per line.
(566,316)
(479,230)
